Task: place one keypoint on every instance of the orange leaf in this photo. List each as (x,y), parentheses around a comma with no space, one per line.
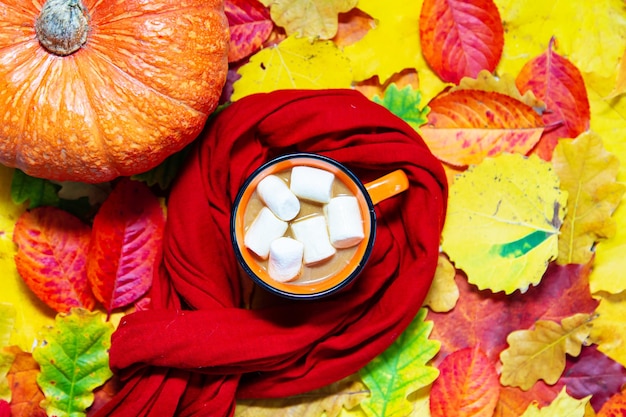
(467,386)
(125,244)
(460,38)
(614,407)
(557,82)
(22,377)
(466,126)
(51,257)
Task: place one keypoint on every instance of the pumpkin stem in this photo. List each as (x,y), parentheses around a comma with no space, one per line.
(62,26)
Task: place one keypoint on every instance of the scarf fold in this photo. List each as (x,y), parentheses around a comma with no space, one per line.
(198,348)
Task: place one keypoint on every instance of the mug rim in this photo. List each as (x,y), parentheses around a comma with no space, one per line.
(367,246)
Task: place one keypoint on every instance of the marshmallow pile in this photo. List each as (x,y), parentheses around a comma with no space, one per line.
(315,238)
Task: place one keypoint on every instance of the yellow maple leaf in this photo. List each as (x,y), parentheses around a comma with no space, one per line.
(588,173)
(503,222)
(31,313)
(540,353)
(308,18)
(562,405)
(609,328)
(294,63)
(443,293)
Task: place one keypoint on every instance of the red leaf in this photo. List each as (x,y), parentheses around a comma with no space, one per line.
(557,82)
(250,26)
(461,38)
(125,244)
(466,126)
(468,386)
(514,401)
(52,247)
(5,409)
(484,319)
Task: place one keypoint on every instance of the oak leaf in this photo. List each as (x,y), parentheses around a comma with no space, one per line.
(250,25)
(294,63)
(23,381)
(610,262)
(443,293)
(405,103)
(620,82)
(125,244)
(557,82)
(503,222)
(467,386)
(400,370)
(331,401)
(503,84)
(540,353)
(52,255)
(485,319)
(588,173)
(466,126)
(459,39)
(563,405)
(314,19)
(74,360)
(609,328)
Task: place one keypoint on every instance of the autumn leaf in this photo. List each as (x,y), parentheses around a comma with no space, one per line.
(166,172)
(503,222)
(614,407)
(125,244)
(540,353)
(330,401)
(557,82)
(467,386)
(74,361)
(51,257)
(37,191)
(485,319)
(563,405)
(443,293)
(609,328)
(7,323)
(620,82)
(405,103)
(503,84)
(293,63)
(6,360)
(588,173)
(459,39)
(23,381)
(250,25)
(314,19)
(466,126)
(400,370)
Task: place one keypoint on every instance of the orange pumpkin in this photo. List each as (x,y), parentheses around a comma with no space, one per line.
(95,89)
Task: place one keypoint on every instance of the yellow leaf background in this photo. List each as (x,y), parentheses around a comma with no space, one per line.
(32,314)
(540,353)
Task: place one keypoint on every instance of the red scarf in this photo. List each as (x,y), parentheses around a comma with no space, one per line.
(198,349)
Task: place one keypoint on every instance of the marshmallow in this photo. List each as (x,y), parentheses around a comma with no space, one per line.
(312,183)
(285,261)
(278,197)
(345,224)
(313,233)
(264,229)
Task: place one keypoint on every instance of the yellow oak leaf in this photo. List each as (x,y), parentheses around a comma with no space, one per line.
(31,313)
(588,173)
(314,19)
(540,353)
(294,63)
(443,293)
(594,44)
(562,405)
(620,82)
(609,328)
(503,222)
(503,84)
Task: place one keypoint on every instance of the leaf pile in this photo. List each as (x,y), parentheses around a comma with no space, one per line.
(525,110)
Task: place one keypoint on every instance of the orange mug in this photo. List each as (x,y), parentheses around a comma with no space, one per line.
(317,279)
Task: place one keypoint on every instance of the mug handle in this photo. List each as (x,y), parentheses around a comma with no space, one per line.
(387,186)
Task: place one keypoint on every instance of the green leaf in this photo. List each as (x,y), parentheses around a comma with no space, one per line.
(406,104)
(74,361)
(38,191)
(400,371)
